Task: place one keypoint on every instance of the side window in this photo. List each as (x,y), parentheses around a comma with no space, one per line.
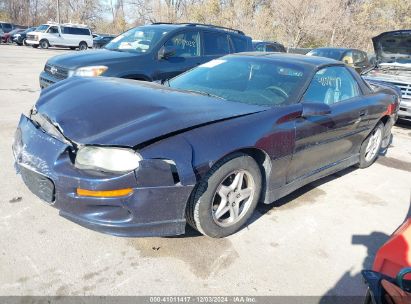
(215,44)
(363,57)
(82,31)
(186,44)
(75,31)
(53,30)
(357,58)
(332,85)
(271,48)
(260,48)
(240,44)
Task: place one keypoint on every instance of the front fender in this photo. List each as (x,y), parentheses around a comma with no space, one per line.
(197,150)
(178,150)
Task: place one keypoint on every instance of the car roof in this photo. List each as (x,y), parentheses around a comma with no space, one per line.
(265,41)
(175,26)
(336,49)
(313,62)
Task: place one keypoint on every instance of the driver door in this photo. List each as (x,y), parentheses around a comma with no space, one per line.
(53,35)
(323,141)
(184,50)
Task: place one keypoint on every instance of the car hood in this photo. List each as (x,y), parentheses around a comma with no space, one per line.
(119,112)
(393,46)
(75,60)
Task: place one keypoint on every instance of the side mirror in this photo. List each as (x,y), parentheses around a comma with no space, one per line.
(315,109)
(166,52)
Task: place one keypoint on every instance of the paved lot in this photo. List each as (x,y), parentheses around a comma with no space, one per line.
(313,242)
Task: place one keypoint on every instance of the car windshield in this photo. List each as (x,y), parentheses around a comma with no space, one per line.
(137,40)
(15,31)
(42,28)
(246,80)
(329,53)
(32,29)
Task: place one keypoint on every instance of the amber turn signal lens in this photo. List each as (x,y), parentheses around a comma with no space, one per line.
(105,193)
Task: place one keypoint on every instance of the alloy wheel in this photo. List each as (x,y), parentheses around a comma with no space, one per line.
(233,198)
(373,144)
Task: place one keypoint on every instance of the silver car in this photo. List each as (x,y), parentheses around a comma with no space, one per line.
(393,65)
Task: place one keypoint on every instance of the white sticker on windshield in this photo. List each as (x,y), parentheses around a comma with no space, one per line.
(125,46)
(213,63)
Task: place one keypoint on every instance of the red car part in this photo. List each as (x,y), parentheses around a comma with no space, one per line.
(395,254)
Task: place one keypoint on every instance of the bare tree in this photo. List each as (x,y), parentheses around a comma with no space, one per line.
(298,23)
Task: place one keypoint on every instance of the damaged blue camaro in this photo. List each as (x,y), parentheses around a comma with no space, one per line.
(132,158)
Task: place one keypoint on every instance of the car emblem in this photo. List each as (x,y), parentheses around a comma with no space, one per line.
(53,70)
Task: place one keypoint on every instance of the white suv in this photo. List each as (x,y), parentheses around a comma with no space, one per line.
(61,35)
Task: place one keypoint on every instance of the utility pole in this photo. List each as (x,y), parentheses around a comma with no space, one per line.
(58,11)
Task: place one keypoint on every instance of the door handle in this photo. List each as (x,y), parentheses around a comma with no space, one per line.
(361,115)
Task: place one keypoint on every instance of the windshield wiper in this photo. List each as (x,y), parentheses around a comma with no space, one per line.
(205,94)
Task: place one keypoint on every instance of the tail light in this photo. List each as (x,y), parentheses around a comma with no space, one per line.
(391,108)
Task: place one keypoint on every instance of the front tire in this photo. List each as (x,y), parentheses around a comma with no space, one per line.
(371,146)
(223,201)
(82,46)
(44,44)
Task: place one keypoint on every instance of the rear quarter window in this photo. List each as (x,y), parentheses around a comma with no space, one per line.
(273,48)
(239,44)
(215,43)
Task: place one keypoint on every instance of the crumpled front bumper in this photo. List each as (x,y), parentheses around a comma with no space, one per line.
(47,168)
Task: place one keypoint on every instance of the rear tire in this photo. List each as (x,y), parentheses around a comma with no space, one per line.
(44,44)
(223,201)
(371,146)
(82,46)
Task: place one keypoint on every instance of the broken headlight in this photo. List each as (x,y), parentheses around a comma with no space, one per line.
(107,159)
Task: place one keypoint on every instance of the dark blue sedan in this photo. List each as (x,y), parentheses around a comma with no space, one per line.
(134,158)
